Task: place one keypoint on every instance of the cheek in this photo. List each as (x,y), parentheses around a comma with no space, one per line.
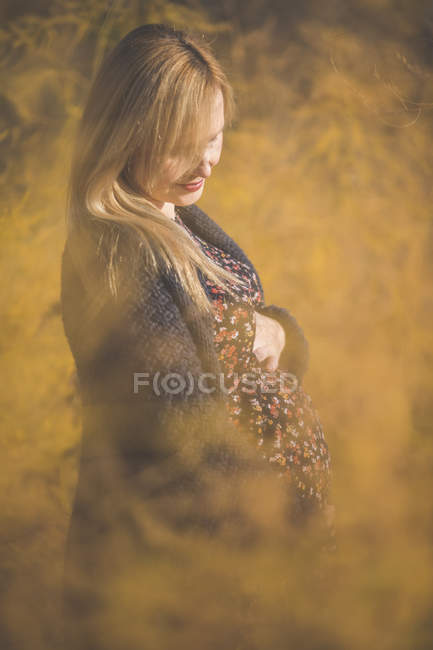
(169,168)
(170,172)
(219,147)
(217,157)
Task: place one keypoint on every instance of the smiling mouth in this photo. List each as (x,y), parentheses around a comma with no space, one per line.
(193,186)
(193,182)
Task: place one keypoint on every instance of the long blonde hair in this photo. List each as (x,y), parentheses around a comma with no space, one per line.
(152,97)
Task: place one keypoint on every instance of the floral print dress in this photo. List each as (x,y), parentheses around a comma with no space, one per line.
(279,415)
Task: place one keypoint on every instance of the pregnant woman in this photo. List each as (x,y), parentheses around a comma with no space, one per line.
(190,384)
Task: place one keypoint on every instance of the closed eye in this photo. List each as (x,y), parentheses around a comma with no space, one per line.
(215,136)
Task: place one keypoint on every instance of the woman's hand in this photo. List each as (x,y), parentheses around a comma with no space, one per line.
(269,341)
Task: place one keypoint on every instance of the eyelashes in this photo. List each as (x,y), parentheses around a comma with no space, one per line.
(215,138)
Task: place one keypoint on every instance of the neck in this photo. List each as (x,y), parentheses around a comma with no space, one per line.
(168,210)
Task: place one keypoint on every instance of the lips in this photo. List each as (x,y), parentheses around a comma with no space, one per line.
(193,187)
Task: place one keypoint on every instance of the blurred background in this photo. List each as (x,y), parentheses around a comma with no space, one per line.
(326,182)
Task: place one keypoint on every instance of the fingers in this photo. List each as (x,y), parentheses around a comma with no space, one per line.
(269,341)
(262,352)
(271,364)
(267,356)
(269,334)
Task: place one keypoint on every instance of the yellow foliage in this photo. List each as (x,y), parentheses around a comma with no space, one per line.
(325,183)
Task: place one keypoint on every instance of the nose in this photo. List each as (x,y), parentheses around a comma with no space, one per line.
(209,159)
(205,167)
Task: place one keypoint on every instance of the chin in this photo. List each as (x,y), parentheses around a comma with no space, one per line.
(188,198)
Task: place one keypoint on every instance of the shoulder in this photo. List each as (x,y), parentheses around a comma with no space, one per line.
(144,296)
(209,230)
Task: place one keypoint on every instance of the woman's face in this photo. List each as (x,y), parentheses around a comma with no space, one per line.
(172,189)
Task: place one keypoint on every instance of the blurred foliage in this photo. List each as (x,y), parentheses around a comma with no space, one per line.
(325,181)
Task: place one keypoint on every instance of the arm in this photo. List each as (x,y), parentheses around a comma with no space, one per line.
(269,341)
(174,439)
(295,355)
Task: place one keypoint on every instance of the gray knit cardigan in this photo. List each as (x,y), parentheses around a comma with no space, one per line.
(170,453)
(157,309)
(155,441)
